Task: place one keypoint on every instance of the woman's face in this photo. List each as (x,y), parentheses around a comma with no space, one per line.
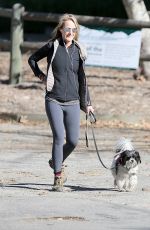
(68,31)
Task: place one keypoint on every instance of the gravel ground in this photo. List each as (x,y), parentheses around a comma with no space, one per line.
(118,99)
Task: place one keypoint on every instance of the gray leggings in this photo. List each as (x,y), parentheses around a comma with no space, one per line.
(63,117)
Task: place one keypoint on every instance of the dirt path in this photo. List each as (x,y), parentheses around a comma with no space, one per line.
(89,200)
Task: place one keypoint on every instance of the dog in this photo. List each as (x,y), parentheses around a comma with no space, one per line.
(124,166)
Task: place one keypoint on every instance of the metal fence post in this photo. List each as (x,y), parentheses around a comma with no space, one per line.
(16,41)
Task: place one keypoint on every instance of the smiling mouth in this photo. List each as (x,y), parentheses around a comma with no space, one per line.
(70,36)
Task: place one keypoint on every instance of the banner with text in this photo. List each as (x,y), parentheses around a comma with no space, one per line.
(111,49)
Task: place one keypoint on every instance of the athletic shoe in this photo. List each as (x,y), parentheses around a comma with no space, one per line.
(58,184)
(64,177)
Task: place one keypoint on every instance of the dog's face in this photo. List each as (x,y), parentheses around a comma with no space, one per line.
(130,159)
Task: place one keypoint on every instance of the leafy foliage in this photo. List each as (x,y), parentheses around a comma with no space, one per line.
(103,8)
(110,8)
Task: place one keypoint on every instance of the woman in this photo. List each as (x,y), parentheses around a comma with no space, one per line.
(66,90)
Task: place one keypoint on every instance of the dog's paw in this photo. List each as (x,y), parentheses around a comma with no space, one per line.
(121,190)
(130,189)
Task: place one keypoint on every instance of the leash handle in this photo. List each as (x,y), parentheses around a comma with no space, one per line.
(92,117)
(86,131)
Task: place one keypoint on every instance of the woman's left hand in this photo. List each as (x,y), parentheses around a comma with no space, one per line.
(90,109)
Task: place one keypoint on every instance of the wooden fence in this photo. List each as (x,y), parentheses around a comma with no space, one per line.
(18,14)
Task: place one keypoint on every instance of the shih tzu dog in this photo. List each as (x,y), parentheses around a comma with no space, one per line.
(125,165)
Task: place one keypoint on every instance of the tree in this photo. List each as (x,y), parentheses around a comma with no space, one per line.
(137,10)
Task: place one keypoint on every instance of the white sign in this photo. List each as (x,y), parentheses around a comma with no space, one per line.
(116,49)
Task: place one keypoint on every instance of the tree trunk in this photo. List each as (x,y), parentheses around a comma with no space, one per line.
(16,41)
(136,9)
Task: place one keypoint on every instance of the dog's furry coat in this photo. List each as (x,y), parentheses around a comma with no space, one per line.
(125,166)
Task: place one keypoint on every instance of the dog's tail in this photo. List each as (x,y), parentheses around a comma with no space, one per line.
(123,144)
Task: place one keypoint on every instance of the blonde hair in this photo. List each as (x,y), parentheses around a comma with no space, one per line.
(65,17)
